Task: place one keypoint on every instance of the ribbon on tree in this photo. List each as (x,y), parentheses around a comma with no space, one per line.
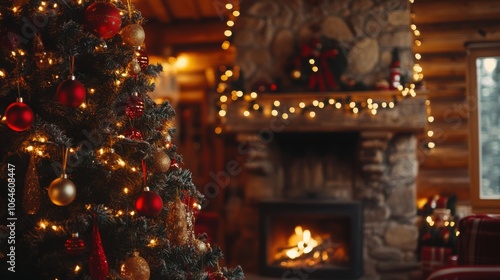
(321,77)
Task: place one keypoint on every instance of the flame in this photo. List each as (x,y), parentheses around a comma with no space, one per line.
(301,242)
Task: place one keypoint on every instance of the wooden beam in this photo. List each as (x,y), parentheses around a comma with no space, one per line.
(455,10)
(444,182)
(446,156)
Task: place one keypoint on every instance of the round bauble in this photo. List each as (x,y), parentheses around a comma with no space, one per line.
(161,161)
(62,191)
(134,107)
(19,116)
(133,133)
(74,245)
(71,93)
(133,35)
(135,268)
(149,204)
(102,19)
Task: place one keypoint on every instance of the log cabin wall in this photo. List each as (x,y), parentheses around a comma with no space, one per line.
(445,27)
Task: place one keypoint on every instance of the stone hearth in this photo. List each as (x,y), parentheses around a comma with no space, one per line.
(374,162)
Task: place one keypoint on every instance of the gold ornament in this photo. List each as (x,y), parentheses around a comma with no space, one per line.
(177,231)
(31,193)
(133,35)
(161,161)
(62,191)
(135,268)
(134,67)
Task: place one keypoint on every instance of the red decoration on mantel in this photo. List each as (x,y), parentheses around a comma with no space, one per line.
(321,77)
(98,264)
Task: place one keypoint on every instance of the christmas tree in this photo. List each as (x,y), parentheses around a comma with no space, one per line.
(92,187)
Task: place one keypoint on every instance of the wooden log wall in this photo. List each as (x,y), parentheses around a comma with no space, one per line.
(445,27)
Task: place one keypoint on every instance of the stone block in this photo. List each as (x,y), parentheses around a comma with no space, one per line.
(387,254)
(399,18)
(369,269)
(376,214)
(244,38)
(401,236)
(398,39)
(363,56)
(264,9)
(336,28)
(372,241)
(402,201)
(361,5)
(283,44)
(248,23)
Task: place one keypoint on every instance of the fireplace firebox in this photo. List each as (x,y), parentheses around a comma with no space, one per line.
(320,239)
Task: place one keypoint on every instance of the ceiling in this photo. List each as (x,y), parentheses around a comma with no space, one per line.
(192,31)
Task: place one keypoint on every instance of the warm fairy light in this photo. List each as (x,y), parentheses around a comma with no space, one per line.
(311,61)
(315,68)
(315,103)
(413,27)
(400,87)
(430,119)
(452,224)
(118,82)
(427,102)
(29,148)
(14,9)
(296,74)
(125,190)
(321,105)
(54,228)
(55,5)
(229,73)
(331,101)
(229,6)
(228,33)
(230,23)
(391,104)
(225,45)
(88,206)
(43,224)
(431,145)
(2,74)
(83,106)
(430,133)
(239,93)
(338,105)
(132,213)
(369,101)
(13,53)
(121,136)
(284,116)
(276,103)
(223,106)
(77,268)
(352,104)
(39,152)
(384,104)
(302,105)
(312,114)
(355,110)
(218,130)
(101,151)
(152,243)
(418,56)
(418,43)
(224,78)
(119,213)
(292,110)
(274,112)
(40,9)
(246,113)
(133,169)
(253,94)
(374,111)
(223,98)
(416,32)
(222,113)
(256,106)
(236,13)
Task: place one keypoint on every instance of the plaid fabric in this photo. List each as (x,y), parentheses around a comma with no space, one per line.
(467,273)
(434,258)
(479,240)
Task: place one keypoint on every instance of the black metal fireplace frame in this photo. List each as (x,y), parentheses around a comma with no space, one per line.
(351,210)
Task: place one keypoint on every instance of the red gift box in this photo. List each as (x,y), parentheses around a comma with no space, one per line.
(434,258)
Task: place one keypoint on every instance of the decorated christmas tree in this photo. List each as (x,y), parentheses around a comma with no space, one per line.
(91,185)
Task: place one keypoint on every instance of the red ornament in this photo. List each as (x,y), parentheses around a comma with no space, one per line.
(74,245)
(19,116)
(102,19)
(133,133)
(71,93)
(98,264)
(134,106)
(149,203)
(143,58)
(174,165)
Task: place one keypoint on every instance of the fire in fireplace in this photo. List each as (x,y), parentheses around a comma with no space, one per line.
(320,239)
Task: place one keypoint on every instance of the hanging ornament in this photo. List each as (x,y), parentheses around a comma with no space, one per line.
(62,191)
(102,19)
(200,246)
(134,67)
(142,58)
(149,204)
(19,116)
(74,245)
(111,160)
(177,231)
(133,35)
(161,161)
(134,106)
(31,192)
(135,268)
(71,93)
(133,133)
(98,264)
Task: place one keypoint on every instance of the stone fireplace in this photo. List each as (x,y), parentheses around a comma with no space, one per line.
(337,156)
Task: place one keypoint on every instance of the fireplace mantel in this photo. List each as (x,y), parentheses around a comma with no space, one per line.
(408,115)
